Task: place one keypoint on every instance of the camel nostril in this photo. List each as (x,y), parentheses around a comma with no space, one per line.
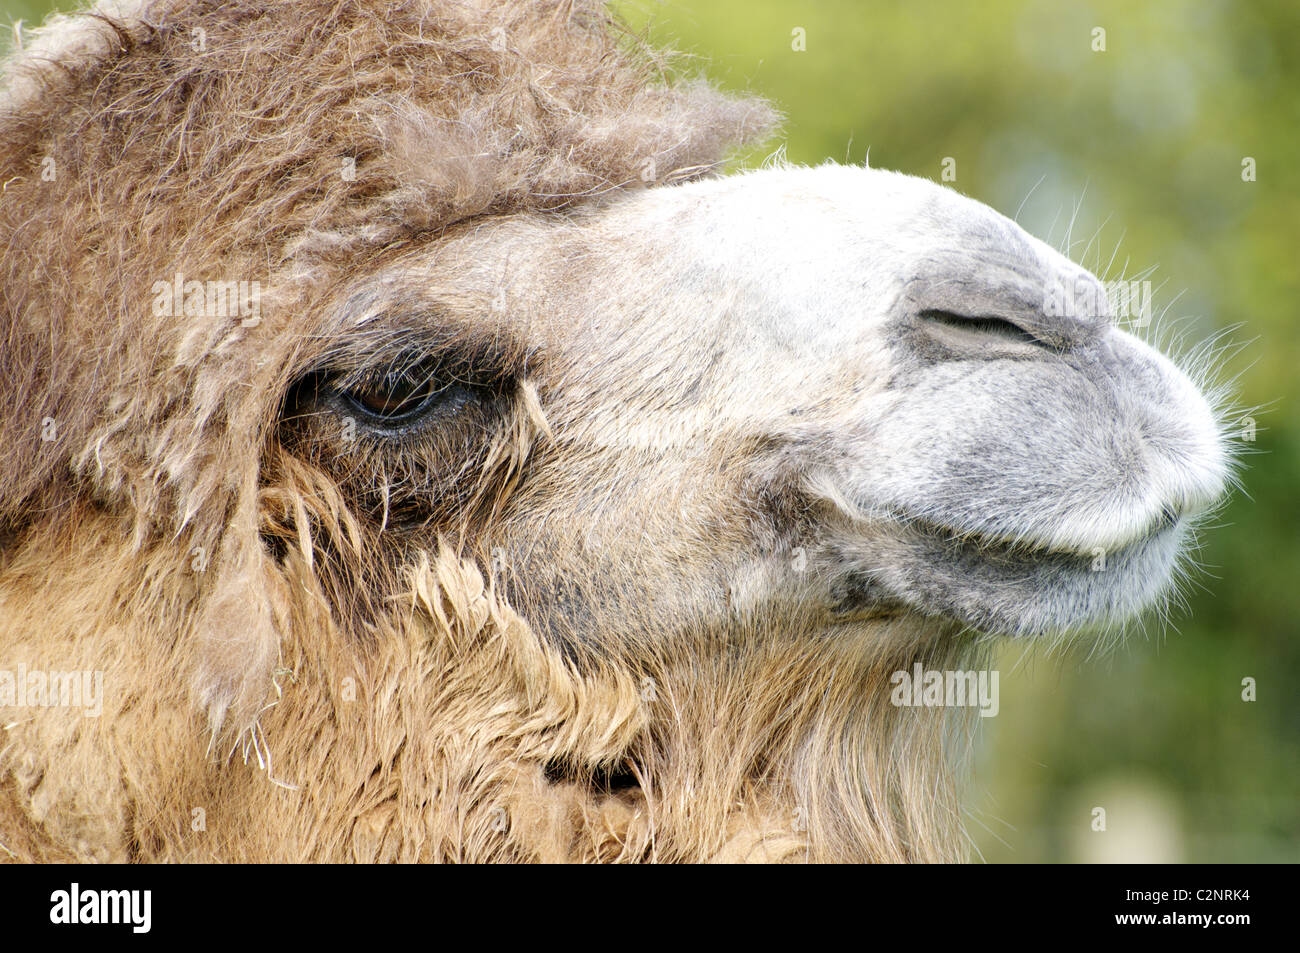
(948,324)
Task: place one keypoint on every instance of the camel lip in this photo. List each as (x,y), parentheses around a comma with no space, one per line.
(1047,543)
(1029,546)
(1000,585)
(1064,590)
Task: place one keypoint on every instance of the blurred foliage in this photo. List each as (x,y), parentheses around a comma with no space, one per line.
(1140,147)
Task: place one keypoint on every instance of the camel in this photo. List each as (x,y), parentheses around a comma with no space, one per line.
(417,450)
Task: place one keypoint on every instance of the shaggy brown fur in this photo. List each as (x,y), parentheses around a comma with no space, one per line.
(245,592)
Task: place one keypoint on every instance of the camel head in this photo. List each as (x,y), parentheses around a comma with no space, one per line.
(439,460)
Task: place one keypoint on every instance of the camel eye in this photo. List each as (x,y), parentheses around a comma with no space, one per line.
(398,395)
(411,390)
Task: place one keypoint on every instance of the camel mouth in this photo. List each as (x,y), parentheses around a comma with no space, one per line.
(1030,547)
(1016,586)
(1022,587)
(1125,532)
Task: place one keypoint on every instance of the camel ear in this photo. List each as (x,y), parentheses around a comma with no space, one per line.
(239,632)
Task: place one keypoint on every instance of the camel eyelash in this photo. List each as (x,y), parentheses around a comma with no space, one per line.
(396,393)
(407,392)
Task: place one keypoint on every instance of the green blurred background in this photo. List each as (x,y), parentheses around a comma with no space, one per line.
(1142,145)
